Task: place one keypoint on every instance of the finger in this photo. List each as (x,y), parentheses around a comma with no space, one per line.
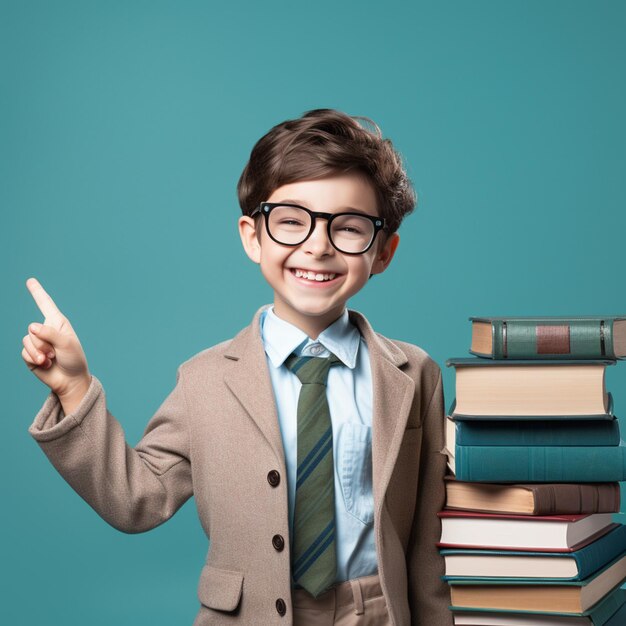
(29,362)
(31,366)
(47,333)
(38,358)
(41,345)
(42,298)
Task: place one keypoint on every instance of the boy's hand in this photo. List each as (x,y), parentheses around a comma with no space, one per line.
(53,352)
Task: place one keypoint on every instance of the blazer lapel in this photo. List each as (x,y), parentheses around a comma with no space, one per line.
(393,392)
(248,378)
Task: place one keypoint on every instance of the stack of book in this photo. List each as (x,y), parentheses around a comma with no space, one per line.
(536,458)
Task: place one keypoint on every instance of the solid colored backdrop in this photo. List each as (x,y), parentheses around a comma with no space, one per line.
(124,127)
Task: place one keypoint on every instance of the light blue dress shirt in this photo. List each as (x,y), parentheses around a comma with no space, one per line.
(349,390)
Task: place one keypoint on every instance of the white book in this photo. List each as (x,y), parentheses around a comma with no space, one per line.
(537,533)
(517,566)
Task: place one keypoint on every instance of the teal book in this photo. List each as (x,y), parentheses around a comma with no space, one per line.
(515,565)
(516,432)
(619,619)
(610,611)
(538,464)
(585,337)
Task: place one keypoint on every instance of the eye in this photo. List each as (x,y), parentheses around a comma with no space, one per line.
(289,221)
(351,229)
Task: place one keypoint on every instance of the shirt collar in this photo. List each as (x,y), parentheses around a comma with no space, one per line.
(281,338)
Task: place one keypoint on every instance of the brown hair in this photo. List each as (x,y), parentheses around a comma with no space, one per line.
(322,143)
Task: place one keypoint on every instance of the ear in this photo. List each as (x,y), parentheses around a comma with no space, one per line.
(385,254)
(249,239)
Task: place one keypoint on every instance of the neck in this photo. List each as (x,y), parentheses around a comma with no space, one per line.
(312,325)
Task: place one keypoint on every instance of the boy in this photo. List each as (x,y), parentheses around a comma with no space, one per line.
(311,444)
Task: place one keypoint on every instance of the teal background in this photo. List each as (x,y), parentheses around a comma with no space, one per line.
(124,127)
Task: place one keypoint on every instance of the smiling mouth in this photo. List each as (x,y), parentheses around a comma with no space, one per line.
(319,277)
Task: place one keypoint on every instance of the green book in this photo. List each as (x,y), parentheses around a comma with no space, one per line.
(576,337)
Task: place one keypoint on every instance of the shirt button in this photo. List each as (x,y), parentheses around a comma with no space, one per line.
(281,607)
(273,478)
(317,349)
(278,542)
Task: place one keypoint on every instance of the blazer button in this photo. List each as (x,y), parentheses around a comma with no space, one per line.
(281,607)
(273,478)
(278,542)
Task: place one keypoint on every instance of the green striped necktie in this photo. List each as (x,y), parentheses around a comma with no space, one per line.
(313,562)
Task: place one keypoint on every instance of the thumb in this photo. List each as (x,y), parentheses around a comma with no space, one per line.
(46,333)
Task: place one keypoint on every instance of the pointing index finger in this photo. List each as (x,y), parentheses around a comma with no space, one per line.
(42,298)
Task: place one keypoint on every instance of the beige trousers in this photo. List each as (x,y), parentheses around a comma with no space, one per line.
(358,602)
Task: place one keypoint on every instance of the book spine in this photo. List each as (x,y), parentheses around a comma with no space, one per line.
(537,433)
(521,464)
(566,339)
(498,336)
(572,498)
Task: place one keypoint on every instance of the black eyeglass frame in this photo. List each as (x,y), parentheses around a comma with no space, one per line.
(265,208)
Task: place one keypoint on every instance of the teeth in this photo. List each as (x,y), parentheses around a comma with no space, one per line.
(313,276)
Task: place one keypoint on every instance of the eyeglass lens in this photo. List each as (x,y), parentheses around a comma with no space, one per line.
(348,233)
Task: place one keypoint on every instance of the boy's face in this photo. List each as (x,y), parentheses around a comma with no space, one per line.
(313,305)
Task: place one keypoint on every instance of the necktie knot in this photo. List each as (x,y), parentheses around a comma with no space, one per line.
(311,369)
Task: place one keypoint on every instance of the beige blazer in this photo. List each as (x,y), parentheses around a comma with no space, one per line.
(217,437)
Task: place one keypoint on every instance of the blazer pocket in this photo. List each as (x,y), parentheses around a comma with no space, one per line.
(219,588)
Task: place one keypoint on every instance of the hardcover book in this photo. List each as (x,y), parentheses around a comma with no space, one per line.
(607,612)
(549,337)
(548,533)
(523,389)
(550,464)
(516,432)
(533,498)
(603,613)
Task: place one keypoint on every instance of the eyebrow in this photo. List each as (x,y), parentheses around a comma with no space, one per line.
(304,204)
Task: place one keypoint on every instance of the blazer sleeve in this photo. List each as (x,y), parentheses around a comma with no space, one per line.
(429,596)
(133,489)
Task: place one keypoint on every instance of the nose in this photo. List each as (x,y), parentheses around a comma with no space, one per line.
(318,244)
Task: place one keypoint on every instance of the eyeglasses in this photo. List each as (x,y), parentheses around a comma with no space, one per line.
(291,225)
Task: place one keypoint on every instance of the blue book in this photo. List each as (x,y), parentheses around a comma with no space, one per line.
(513,565)
(533,433)
(538,464)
